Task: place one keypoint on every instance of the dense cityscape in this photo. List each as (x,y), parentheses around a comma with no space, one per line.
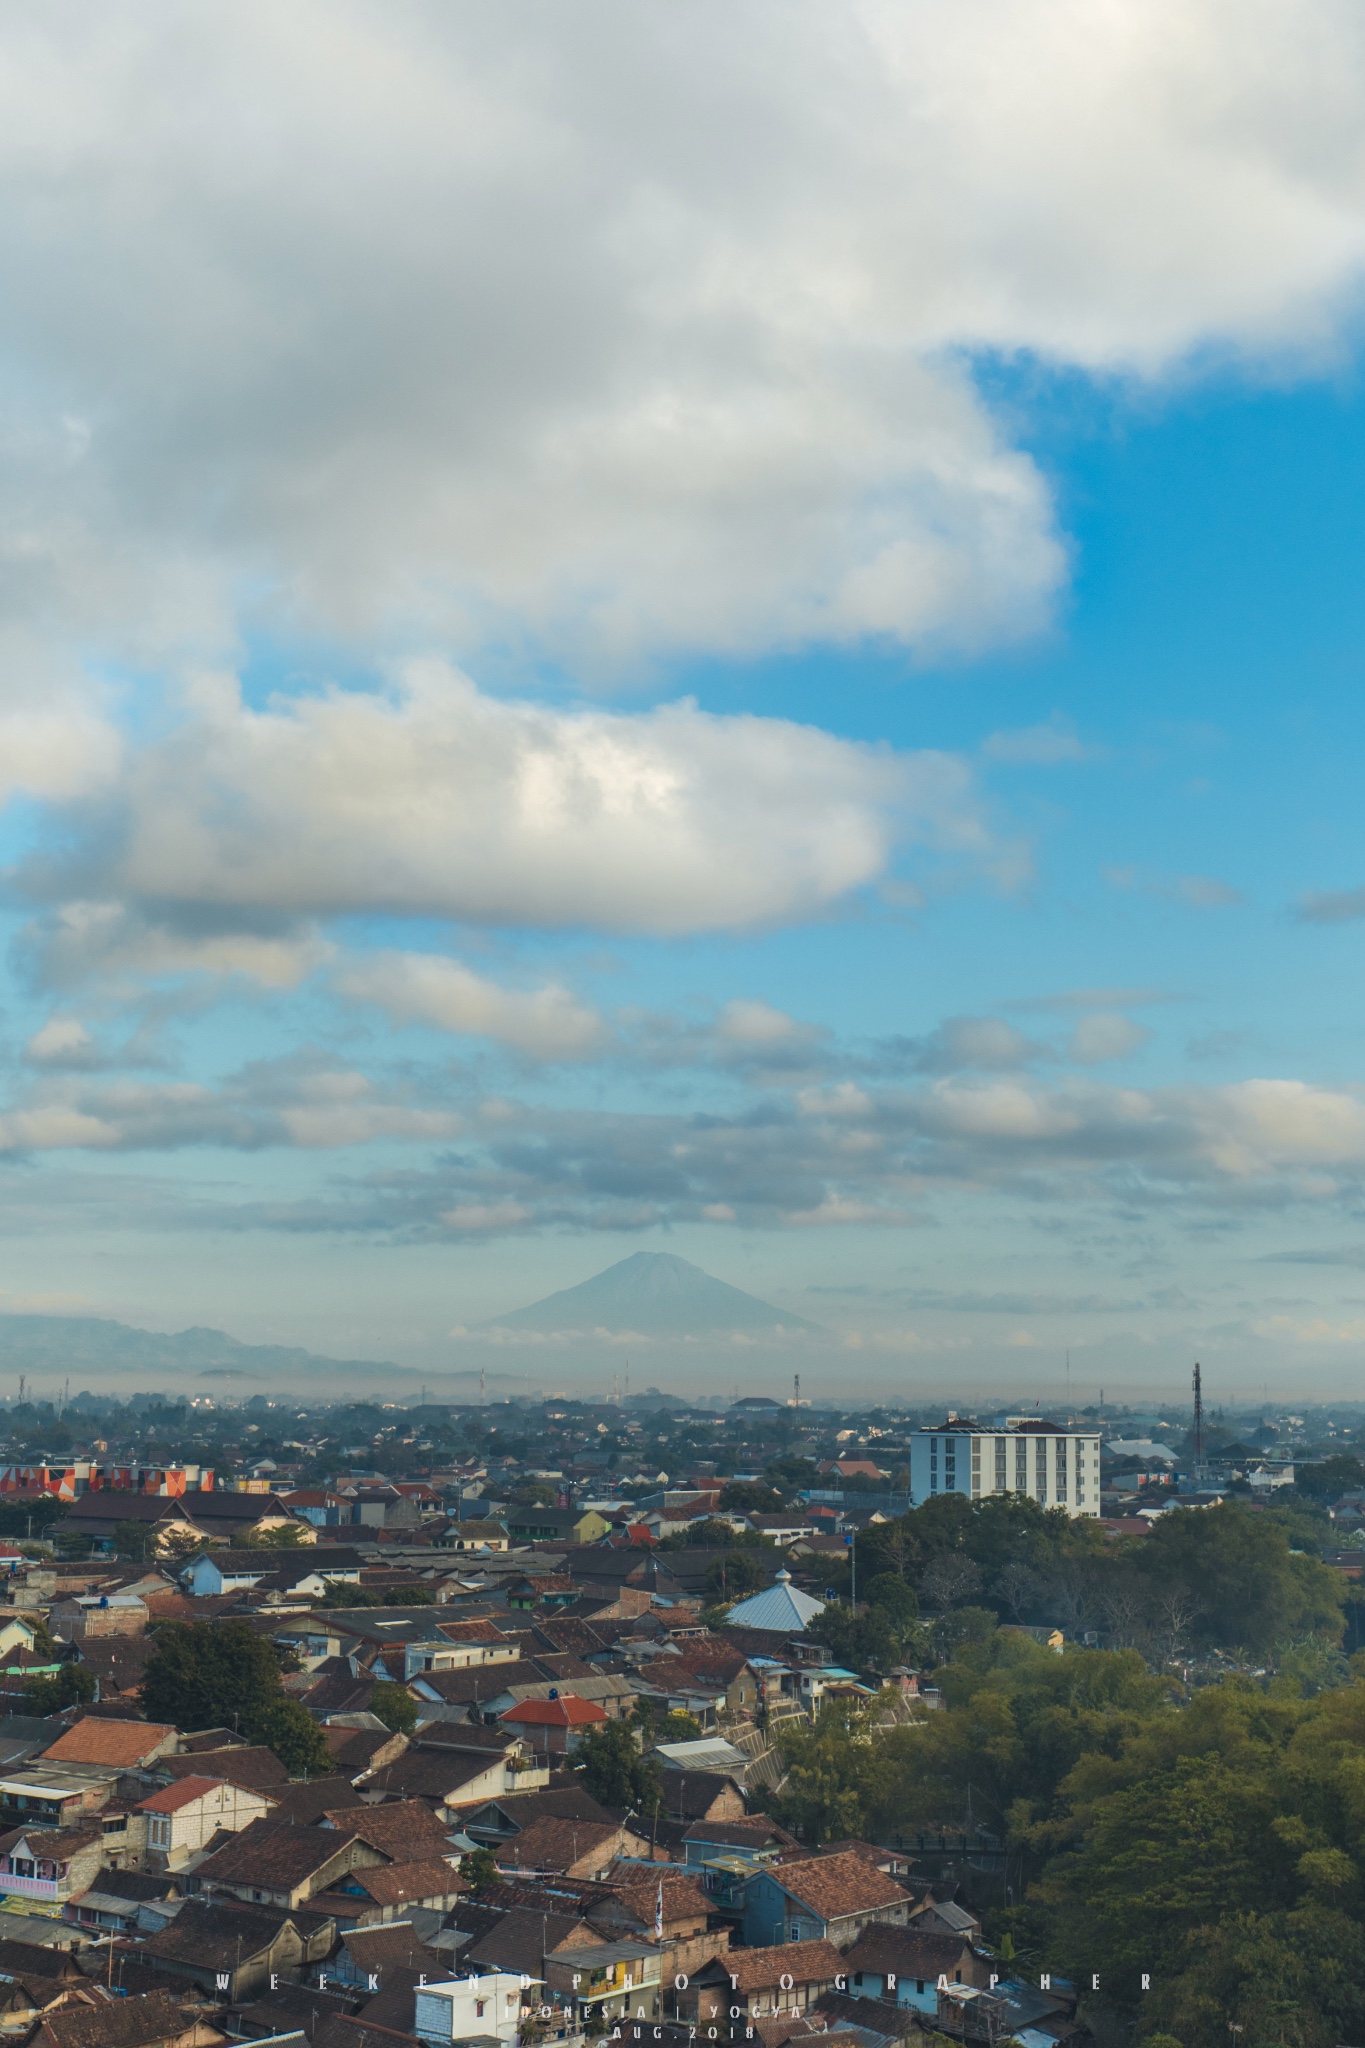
(559,1719)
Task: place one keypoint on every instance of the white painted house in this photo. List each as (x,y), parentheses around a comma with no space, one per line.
(470,2009)
(182,1818)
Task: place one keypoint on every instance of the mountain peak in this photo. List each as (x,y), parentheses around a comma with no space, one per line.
(655,1294)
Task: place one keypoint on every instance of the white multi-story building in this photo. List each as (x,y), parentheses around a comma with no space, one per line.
(1058,1467)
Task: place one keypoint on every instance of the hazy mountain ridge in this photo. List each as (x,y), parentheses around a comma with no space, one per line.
(77,1345)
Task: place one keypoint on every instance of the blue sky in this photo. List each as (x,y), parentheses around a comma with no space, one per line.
(606,655)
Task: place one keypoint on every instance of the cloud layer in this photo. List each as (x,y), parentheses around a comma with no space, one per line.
(614,332)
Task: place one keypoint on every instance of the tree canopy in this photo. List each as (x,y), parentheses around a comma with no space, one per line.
(223,1675)
(610,1763)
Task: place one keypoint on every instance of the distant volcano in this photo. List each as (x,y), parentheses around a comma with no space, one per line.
(658,1296)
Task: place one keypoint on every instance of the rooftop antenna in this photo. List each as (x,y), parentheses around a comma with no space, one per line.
(1198,1420)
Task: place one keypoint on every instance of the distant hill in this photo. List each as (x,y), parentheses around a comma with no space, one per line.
(95,1347)
(656,1295)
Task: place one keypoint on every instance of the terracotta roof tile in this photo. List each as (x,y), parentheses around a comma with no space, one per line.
(760,1969)
(833,1886)
(97,1741)
(406,1830)
(404,1884)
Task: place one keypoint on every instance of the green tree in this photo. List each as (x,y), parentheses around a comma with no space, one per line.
(611,1765)
(1329,1478)
(342,1594)
(831,1770)
(479,1869)
(285,1536)
(888,1594)
(750,1497)
(297,1740)
(395,1707)
(135,1541)
(735,1574)
(409,1596)
(72,1686)
(678,1726)
(223,1675)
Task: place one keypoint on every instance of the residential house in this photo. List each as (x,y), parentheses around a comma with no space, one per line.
(443,1780)
(163,1519)
(122,1745)
(36,1796)
(555,1525)
(250,1765)
(574,1848)
(391,1891)
(605,1981)
(905,1965)
(554,1726)
(181,1818)
(475,1536)
(754,1840)
(211,1573)
(701,1795)
(152,2019)
(94,1614)
(279,1863)
(831,1898)
(359,1752)
(229,1951)
(51,1865)
(784,1978)
(115,1900)
(501,1821)
(483,2009)
(404,1830)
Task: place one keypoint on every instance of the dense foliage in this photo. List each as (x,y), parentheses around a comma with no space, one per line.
(1212,1836)
(223,1675)
(616,1772)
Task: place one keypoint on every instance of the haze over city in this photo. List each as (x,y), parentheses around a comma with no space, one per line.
(741,640)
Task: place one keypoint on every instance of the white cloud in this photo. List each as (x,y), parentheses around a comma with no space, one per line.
(87,939)
(547,1023)
(437,799)
(748,1022)
(61,1042)
(616,330)
(1106,1035)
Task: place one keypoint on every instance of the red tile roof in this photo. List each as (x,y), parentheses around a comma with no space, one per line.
(568,1711)
(171,1798)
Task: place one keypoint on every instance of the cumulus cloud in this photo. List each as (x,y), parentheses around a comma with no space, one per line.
(61,1042)
(1106,1035)
(548,1022)
(650,341)
(434,798)
(92,940)
(959,1042)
